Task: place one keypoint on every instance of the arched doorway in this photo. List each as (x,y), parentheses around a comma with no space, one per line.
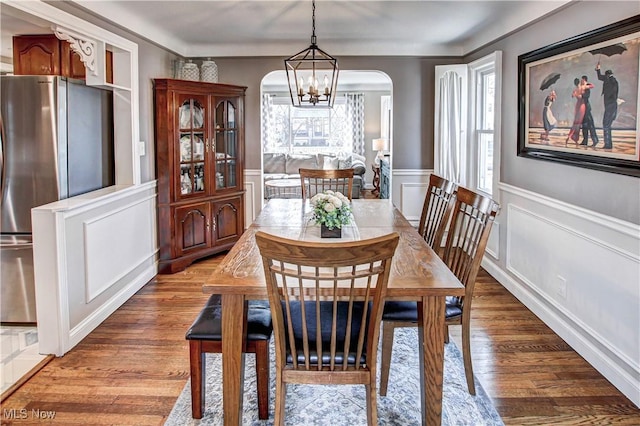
(370,90)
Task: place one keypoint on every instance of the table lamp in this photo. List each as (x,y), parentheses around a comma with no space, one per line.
(379,145)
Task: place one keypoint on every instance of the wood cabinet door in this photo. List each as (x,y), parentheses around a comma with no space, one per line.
(36,55)
(228,220)
(71,65)
(227,146)
(192,226)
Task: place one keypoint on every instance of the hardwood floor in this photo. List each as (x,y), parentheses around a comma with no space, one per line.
(131,369)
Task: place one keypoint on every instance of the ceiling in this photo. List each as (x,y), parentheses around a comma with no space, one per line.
(223,28)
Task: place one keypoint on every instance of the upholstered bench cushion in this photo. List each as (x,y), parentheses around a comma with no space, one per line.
(408,311)
(208,324)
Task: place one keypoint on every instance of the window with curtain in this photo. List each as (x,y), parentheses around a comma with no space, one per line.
(471,158)
(300,130)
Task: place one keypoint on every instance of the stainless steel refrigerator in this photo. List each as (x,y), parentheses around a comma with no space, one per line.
(56,141)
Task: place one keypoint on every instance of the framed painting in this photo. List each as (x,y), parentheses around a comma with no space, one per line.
(579,100)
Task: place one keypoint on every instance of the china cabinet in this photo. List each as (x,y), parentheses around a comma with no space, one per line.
(199,130)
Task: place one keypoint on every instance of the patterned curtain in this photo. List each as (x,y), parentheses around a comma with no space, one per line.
(267,121)
(355,116)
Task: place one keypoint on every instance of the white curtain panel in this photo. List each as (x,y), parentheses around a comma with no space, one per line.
(451,147)
(355,115)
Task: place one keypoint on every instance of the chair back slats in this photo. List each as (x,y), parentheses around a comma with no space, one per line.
(436,210)
(471,220)
(316,181)
(326,299)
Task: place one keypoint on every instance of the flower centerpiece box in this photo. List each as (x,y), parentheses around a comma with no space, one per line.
(331,210)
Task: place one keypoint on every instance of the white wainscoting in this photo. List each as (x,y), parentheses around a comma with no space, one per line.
(91,254)
(253,195)
(408,189)
(579,271)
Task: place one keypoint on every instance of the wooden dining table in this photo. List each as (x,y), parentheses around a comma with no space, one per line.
(417,274)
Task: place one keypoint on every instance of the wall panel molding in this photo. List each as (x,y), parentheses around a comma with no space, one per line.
(578,271)
(80,278)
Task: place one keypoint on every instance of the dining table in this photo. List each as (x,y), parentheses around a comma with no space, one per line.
(417,274)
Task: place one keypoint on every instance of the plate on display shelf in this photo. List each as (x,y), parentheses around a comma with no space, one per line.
(185,116)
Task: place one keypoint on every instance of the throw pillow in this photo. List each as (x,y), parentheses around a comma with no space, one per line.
(295,162)
(345,163)
(331,163)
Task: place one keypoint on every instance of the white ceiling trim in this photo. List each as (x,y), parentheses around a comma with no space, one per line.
(259,30)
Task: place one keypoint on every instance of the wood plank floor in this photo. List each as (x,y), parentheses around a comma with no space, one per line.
(131,369)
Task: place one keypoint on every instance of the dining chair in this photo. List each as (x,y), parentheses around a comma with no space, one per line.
(436,211)
(205,336)
(315,181)
(325,331)
(471,220)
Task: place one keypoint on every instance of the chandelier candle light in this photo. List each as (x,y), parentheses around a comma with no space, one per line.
(331,210)
(308,65)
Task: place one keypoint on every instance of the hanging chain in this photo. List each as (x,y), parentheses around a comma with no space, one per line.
(313,22)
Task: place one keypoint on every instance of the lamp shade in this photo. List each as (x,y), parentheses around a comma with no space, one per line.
(379,144)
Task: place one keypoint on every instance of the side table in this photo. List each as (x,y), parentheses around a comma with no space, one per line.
(376,179)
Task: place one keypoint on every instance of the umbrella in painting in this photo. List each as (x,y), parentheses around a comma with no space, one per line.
(549,80)
(613,49)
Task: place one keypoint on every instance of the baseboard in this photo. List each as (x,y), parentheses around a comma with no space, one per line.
(608,364)
(88,324)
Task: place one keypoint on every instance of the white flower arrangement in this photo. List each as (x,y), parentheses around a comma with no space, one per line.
(331,209)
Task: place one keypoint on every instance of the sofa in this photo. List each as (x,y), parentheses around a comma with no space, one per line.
(286,166)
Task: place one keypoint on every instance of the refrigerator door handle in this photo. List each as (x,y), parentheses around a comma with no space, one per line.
(15,246)
(1,160)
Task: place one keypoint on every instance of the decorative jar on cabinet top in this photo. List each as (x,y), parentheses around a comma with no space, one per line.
(190,71)
(209,71)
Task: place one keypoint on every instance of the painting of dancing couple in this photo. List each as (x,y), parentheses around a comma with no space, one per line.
(584,101)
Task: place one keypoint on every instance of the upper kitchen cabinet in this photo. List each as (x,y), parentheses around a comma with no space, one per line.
(200,169)
(45,54)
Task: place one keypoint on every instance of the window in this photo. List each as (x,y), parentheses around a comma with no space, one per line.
(484,130)
(298,130)
(470,160)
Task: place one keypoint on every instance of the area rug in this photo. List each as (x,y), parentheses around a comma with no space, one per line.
(345,405)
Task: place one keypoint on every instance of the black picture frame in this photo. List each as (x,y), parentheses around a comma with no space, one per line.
(616,49)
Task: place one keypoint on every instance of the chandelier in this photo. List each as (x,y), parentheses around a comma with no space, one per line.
(312,74)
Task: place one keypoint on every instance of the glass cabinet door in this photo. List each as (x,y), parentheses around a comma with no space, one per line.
(226,143)
(192,146)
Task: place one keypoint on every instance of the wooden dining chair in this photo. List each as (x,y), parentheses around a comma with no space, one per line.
(205,336)
(436,211)
(325,331)
(315,181)
(471,220)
